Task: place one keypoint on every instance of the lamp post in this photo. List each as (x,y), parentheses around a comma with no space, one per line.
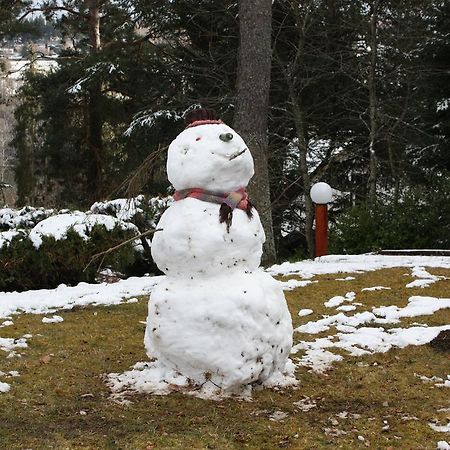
(321,195)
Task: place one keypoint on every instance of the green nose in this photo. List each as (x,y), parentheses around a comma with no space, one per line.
(226,137)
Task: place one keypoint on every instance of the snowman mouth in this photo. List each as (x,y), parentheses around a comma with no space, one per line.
(236,154)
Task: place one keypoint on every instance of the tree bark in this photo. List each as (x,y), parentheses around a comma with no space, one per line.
(252,104)
(373,103)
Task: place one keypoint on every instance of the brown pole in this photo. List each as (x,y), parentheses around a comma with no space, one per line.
(321,230)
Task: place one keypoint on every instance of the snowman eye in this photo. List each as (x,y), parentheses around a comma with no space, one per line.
(198,138)
(226,137)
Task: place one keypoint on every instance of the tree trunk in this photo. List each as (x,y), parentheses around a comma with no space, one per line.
(252,104)
(373,103)
(95,124)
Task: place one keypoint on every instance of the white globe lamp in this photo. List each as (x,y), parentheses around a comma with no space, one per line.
(321,193)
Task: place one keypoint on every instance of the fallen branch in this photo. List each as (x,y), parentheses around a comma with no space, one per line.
(110,250)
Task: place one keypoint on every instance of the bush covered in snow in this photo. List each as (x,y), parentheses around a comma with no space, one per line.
(26,217)
(23,265)
(42,248)
(141,211)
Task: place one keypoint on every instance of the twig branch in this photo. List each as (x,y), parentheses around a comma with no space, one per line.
(110,250)
(49,9)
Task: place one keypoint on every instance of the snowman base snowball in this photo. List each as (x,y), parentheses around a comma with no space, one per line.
(231,331)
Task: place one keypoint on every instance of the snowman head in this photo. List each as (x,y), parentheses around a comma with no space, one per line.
(209,155)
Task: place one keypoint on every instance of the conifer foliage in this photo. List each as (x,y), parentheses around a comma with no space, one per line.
(359,98)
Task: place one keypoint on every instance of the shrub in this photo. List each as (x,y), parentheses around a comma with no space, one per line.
(420,220)
(23,267)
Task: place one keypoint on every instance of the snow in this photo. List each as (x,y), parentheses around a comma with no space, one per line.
(375,288)
(305,404)
(237,336)
(424,278)
(354,263)
(6,236)
(278,416)
(360,341)
(345,279)
(363,340)
(127,209)
(26,217)
(233,329)
(82,223)
(443,105)
(148,118)
(420,283)
(291,284)
(198,158)
(11,344)
(326,322)
(150,377)
(18,67)
(346,308)
(305,312)
(122,208)
(351,333)
(54,319)
(417,306)
(443,445)
(440,428)
(320,360)
(44,301)
(337,300)
(193,241)
(99,67)
(440,381)
(4,387)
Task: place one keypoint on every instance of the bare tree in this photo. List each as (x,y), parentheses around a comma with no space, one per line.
(252,103)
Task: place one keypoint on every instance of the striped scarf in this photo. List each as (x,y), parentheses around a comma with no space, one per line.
(228,201)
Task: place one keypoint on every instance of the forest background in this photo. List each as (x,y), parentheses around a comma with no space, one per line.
(359,98)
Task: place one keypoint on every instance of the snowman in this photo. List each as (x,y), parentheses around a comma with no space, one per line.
(216,318)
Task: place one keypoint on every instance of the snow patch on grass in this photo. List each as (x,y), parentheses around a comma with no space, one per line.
(375,288)
(54,319)
(4,387)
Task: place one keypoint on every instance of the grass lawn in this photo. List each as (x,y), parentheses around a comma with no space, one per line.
(60,399)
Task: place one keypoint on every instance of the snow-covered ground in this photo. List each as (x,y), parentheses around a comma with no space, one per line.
(345,328)
(355,263)
(65,297)
(44,301)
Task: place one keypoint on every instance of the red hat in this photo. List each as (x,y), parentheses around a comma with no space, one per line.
(201,116)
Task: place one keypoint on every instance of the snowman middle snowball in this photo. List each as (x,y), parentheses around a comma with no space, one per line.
(216,316)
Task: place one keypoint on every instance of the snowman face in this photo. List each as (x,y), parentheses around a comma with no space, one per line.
(212,157)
